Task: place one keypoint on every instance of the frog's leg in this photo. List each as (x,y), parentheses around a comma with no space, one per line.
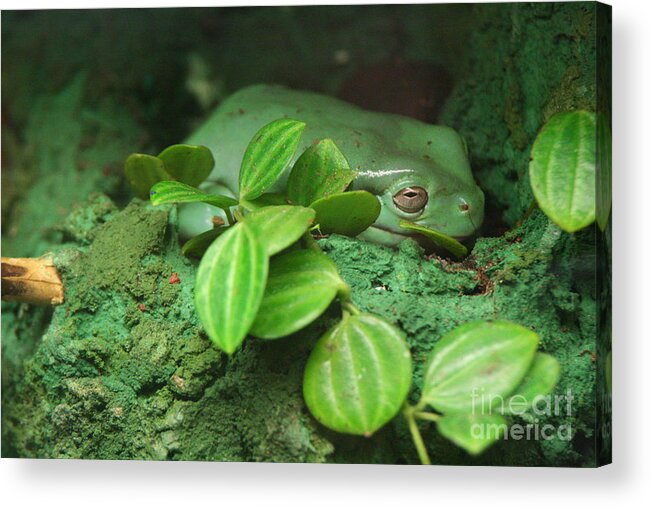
(197,217)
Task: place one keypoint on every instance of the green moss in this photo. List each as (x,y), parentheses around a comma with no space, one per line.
(81,224)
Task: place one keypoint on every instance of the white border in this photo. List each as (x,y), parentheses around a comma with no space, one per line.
(52,483)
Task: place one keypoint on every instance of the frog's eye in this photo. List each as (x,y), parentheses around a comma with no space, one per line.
(410,199)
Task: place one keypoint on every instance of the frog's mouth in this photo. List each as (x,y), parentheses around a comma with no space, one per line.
(399,236)
(388,237)
(390,232)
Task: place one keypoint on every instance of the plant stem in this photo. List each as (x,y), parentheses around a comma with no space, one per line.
(310,242)
(421,405)
(349,307)
(229,216)
(246,205)
(427,416)
(239,216)
(346,300)
(408,412)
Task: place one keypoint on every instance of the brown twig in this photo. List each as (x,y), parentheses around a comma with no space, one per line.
(31,280)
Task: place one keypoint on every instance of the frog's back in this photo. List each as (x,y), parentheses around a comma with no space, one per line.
(366,138)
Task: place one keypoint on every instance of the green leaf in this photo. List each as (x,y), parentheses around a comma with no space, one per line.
(442,240)
(187,163)
(477,364)
(358,375)
(277,227)
(143,171)
(472,432)
(562,169)
(301,285)
(195,247)
(230,286)
(173,192)
(267,156)
(539,381)
(321,170)
(350,213)
(604,171)
(268,199)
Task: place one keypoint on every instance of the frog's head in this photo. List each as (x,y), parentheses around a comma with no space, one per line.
(436,191)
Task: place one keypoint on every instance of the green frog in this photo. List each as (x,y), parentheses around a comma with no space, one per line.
(419,172)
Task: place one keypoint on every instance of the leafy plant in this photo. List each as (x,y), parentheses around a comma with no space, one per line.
(267,156)
(301,286)
(358,375)
(443,240)
(174,191)
(143,171)
(263,274)
(349,214)
(321,171)
(187,164)
(476,375)
(562,169)
(230,285)
(262,225)
(180,162)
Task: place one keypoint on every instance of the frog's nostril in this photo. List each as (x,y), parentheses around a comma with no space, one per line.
(464,207)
